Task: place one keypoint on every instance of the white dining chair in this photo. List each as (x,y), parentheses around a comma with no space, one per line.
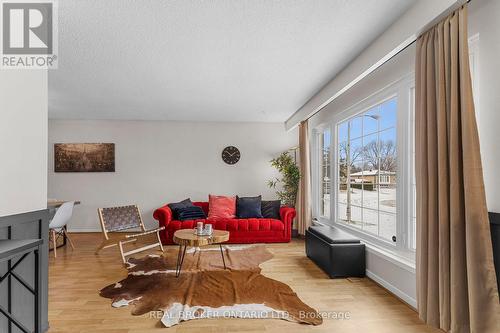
(57,226)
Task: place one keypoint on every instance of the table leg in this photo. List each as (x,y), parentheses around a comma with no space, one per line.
(180,260)
(222,254)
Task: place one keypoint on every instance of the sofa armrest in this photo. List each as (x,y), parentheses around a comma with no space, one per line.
(163,215)
(287,215)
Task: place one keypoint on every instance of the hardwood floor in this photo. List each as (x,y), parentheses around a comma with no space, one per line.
(75,306)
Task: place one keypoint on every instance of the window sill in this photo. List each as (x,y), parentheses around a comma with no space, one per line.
(402,258)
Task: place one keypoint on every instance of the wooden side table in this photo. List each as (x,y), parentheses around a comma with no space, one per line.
(187,237)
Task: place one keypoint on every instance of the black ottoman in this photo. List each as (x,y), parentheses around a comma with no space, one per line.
(338,253)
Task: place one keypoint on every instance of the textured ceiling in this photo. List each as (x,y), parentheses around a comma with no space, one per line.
(220,60)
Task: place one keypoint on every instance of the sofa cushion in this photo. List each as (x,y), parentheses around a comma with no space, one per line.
(271,209)
(248,207)
(333,235)
(174,207)
(190,213)
(236,225)
(221,207)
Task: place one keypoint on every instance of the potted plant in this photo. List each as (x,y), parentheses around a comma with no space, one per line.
(289,180)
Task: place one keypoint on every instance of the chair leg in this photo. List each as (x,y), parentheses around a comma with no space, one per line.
(53,232)
(121,252)
(159,241)
(99,248)
(102,246)
(69,239)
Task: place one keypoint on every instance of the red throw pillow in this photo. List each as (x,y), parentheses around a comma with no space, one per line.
(221,207)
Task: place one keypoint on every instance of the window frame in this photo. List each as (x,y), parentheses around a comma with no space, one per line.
(401,89)
(316,170)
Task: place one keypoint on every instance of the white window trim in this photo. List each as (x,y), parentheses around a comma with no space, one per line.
(316,173)
(404,131)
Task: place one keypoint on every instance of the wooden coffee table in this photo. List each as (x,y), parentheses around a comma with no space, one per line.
(187,237)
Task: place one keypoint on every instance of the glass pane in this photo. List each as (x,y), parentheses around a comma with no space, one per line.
(326,205)
(387,204)
(356,217)
(387,228)
(413,241)
(370,195)
(356,200)
(370,121)
(355,150)
(388,114)
(388,153)
(414,234)
(356,127)
(387,196)
(342,150)
(342,132)
(326,139)
(343,173)
(356,171)
(325,178)
(342,200)
(371,154)
(370,220)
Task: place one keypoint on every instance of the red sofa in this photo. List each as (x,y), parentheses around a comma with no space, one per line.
(240,230)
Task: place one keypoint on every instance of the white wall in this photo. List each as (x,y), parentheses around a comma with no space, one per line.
(396,275)
(158,162)
(484,20)
(23,141)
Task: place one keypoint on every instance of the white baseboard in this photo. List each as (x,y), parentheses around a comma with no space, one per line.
(403,296)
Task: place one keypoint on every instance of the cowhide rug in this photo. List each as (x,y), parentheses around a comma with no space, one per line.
(205,290)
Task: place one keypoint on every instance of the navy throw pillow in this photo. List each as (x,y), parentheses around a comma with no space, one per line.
(248,207)
(174,207)
(271,209)
(191,213)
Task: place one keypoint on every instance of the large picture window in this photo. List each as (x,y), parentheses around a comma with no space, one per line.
(367,170)
(364,174)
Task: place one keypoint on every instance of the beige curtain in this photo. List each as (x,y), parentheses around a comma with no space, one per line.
(303,205)
(456,283)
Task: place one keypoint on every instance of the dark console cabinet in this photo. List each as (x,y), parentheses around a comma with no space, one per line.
(32,225)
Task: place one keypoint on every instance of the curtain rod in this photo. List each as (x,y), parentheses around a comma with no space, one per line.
(410,41)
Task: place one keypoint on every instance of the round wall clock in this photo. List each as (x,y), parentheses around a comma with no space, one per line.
(231,155)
